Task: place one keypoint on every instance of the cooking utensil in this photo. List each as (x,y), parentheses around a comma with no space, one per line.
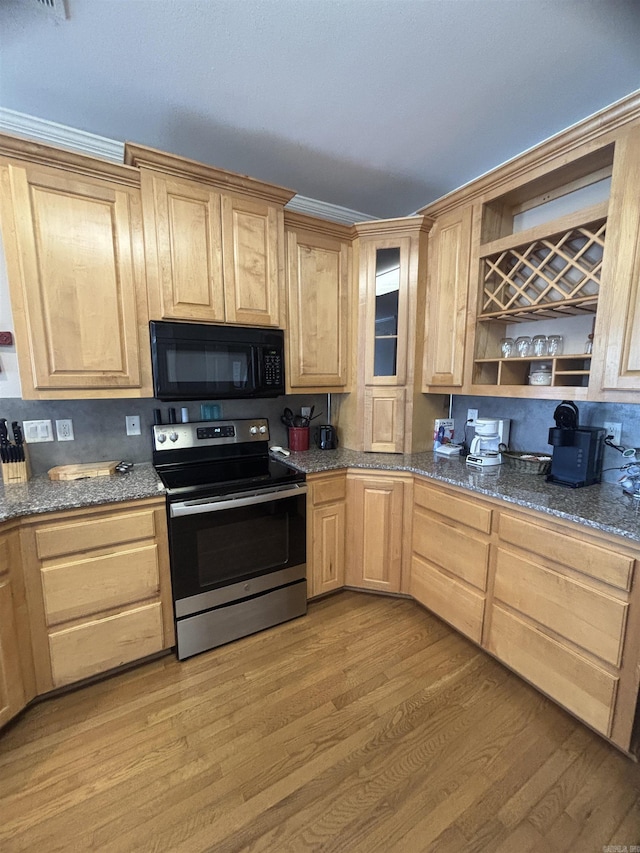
(300,421)
(17,434)
(288,415)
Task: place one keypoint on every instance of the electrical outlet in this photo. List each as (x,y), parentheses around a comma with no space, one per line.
(36,431)
(133,424)
(613,430)
(64,429)
(305,411)
(472,415)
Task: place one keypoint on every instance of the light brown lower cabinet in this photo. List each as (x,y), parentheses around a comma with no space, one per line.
(376,530)
(98,589)
(327,512)
(450,556)
(16,668)
(563,616)
(551,600)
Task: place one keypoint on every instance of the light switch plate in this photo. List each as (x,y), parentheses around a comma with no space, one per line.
(37,431)
(133,424)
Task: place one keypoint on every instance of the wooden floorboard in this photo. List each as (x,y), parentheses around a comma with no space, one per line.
(368,725)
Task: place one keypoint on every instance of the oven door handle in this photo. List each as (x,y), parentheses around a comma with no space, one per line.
(198,507)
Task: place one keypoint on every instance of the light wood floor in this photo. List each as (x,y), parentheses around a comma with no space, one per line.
(366,726)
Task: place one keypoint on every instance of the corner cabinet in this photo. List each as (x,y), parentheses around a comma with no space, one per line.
(376,502)
(214,242)
(72,233)
(98,589)
(319,280)
(388,412)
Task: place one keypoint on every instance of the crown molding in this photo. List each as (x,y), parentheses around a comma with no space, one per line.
(61,135)
(325,210)
(597,130)
(53,133)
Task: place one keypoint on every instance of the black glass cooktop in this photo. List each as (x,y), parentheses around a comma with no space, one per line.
(226,476)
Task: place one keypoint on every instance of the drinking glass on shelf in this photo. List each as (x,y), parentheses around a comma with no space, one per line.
(540,345)
(555,344)
(507,347)
(523,346)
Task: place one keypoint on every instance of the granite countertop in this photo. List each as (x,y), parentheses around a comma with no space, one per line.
(40,494)
(602,507)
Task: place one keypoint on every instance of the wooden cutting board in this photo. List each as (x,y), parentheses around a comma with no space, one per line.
(81,470)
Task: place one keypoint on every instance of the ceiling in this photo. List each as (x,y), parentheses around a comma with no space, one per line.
(376,105)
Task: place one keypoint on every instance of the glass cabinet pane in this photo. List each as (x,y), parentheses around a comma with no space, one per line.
(386,313)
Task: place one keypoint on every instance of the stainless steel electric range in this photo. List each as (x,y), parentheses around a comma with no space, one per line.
(237,531)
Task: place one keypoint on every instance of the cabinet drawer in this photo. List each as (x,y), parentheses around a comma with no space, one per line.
(582,687)
(455,603)
(85,587)
(591,620)
(462,554)
(87,534)
(103,644)
(329,490)
(600,563)
(467,512)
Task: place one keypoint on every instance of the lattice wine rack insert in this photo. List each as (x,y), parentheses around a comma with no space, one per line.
(548,277)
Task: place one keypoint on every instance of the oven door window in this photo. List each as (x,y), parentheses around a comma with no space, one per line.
(214,549)
(190,368)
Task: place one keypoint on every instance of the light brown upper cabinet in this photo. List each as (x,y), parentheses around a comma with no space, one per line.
(617,332)
(552,250)
(447,295)
(214,242)
(388,411)
(72,233)
(319,274)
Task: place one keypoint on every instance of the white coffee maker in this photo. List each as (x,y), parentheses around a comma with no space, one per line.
(492,436)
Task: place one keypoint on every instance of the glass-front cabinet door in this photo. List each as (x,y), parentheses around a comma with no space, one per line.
(386,315)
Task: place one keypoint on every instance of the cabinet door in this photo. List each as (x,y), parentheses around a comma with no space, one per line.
(12,692)
(447,292)
(74,254)
(376,526)
(183,242)
(317,290)
(616,365)
(327,548)
(253,253)
(386,292)
(384,417)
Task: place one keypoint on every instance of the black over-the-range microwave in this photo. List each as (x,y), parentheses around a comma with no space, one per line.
(196,361)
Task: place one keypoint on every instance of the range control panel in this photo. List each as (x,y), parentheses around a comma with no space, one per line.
(209,434)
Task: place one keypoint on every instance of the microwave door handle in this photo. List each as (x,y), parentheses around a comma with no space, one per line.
(183,508)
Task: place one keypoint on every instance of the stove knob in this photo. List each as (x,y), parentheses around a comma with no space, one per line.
(173,436)
(263,429)
(253,430)
(162,438)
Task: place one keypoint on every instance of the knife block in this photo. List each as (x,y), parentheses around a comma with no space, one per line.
(15,472)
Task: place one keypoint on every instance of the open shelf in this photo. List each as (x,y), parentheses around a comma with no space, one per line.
(567,371)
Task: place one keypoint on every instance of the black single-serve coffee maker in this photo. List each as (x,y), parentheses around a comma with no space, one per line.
(577,451)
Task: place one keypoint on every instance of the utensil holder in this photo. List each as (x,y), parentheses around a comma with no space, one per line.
(298,438)
(15,472)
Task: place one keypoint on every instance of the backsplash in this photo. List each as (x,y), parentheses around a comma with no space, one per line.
(531,419)
(100,432)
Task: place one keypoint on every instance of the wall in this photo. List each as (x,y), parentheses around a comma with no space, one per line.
(9,379)
(531,419)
